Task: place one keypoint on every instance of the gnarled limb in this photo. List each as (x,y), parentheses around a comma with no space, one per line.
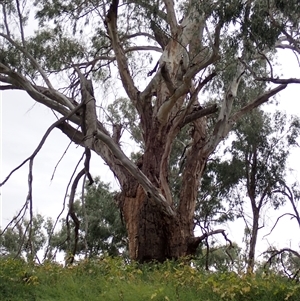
(18,80)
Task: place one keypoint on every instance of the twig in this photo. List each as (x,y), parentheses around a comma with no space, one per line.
(16,218)
(293,216)
(63,209)
(60,159)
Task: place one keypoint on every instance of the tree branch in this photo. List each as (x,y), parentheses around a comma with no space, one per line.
(111,25)
(195,241)
(171,16)
(149,188)
(73,215)
(271,79)
(277,220)
(199,114)
(255,103)
(54,92)
(19,80)
(277,252)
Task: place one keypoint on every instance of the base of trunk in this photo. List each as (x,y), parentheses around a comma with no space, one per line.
(151,234)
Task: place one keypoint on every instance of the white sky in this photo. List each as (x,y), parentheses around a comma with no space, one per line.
(20,137)
(23,125)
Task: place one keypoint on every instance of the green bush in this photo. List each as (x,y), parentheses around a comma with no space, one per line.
(113,279)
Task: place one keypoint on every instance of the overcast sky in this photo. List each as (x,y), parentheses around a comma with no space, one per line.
(23,125)
(24,122)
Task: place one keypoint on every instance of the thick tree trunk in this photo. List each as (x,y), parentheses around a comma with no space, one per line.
(153,235)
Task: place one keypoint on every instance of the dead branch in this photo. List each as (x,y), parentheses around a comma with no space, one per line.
(63,208)
(277,220)
(30,174)
(86,223)
(271,79)
(256,102)
(60,159)
(73,215)
(22,242)
(195,241)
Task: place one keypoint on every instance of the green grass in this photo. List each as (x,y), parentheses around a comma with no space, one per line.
(112,279)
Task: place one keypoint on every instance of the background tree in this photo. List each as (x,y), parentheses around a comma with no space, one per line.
(223,48)
(18,241)
(260,151)
(101,228)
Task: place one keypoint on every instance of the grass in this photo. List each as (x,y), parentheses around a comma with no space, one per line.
(112,279)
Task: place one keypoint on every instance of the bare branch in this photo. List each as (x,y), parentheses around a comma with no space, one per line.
(197,240)
(73,215)
(17,218)
(143,48)
(60,159)
(277,220)
(278,252)
(63,208)
(271,79)
(256,102)
(287,46)
(9,87)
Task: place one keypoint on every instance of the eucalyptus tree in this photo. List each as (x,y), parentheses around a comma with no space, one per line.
(19,240)
(101,228)
(260,150)
(212,65)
